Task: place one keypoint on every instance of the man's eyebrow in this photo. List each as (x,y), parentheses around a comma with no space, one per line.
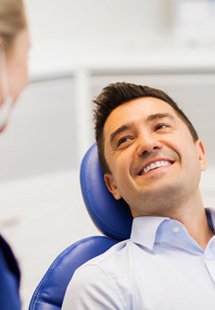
(118,131)
(157,116)
(150,118)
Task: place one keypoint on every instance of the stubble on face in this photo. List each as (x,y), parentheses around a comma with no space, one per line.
(160,191)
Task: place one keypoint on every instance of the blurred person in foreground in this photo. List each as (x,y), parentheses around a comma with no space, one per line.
(14,48)
(152,157)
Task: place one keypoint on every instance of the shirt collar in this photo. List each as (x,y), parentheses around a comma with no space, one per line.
(146,230)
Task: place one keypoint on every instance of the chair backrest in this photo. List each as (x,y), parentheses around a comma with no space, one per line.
(50,292)
(112,217)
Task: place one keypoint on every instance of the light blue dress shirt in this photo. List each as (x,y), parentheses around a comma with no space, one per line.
(159,267)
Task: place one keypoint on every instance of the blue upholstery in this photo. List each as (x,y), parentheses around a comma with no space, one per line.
(112,217)
(50,292)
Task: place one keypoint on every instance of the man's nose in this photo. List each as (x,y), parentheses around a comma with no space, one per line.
(147,145)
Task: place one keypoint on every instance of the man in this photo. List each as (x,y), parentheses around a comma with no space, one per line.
(152,158)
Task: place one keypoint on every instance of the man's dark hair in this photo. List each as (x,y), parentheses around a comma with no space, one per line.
(116,94)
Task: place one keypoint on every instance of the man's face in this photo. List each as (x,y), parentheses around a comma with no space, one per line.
(152,157)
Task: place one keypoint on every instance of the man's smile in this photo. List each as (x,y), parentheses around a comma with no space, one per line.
(155,164)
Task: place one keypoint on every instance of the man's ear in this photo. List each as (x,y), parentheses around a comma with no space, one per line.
(201,154)
(111,185)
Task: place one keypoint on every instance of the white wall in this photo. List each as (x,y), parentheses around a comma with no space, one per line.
(98,24)
(95,26)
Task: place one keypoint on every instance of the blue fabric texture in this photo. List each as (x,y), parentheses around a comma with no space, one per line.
(50,292)
(112,217)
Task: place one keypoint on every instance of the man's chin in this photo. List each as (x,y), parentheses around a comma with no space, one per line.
(158,192)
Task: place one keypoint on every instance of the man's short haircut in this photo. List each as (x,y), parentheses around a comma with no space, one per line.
(116,94)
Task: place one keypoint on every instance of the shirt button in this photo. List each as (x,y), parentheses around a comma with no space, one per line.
(175,229)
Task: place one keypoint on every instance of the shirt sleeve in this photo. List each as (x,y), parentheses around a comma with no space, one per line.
(91,288)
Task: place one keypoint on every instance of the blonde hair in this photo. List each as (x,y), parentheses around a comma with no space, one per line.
(12,21)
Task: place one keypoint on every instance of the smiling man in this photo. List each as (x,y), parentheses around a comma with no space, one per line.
(152,158)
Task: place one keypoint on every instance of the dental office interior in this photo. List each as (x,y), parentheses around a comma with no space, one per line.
(78,47)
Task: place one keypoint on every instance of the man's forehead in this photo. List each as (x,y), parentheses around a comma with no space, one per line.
(148,108)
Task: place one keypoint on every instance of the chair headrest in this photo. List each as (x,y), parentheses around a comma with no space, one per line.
(112,217)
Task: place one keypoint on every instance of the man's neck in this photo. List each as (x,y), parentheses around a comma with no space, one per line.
(194,218)
(191,213)
(199,229)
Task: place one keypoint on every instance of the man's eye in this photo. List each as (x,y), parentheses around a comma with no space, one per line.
(161,126)
(124,140)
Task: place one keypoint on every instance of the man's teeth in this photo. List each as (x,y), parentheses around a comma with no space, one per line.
(157,164)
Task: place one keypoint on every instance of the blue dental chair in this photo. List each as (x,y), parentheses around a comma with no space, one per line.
(112,218)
